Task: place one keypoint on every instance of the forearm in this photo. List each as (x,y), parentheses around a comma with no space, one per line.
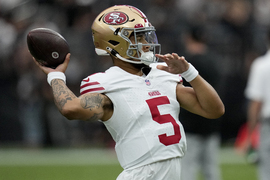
(207,98)
(63,96)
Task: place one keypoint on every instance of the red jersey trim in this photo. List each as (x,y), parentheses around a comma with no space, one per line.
(89,84)
(91,90)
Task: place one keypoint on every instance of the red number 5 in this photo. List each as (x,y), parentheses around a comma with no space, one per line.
(166,118)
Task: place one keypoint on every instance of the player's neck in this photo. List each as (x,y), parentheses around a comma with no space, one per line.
(128,67)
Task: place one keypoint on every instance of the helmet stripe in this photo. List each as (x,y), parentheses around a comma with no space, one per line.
(141,13)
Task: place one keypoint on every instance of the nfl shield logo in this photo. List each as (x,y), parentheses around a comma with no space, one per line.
(147,82)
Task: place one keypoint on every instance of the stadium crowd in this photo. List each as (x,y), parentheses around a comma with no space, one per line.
(235,32)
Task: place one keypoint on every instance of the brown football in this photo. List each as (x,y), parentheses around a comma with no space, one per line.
(48,47)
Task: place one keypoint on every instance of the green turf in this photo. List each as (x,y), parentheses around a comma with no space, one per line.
(239,172)
(93,164)
(102,172)
(236,172)
(83,172)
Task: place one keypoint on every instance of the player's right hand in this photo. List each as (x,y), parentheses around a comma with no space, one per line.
(61,68)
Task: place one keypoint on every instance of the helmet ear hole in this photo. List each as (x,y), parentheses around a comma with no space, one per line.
(114,43)
(131,52)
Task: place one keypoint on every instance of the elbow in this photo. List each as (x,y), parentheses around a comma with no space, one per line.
(218,112)
(74,113)
(67,114)
(69,117)
(221,110)
(70,114)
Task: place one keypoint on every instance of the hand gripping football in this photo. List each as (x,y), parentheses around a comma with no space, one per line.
(48,47)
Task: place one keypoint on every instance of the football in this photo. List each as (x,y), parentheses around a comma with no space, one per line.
(48,47)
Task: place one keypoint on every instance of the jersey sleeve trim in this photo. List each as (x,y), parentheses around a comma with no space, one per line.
(90,86)
(92,90)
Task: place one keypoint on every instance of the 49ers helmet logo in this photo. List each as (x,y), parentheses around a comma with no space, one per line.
(115,18)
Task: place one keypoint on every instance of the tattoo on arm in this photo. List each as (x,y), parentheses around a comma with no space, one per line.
(92,101)
(62,94)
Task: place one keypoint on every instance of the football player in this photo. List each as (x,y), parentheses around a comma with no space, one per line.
(137,99)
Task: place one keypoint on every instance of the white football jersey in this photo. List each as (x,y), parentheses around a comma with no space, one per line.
(145,123)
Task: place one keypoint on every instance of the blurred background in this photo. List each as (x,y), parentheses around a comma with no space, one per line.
(234,31)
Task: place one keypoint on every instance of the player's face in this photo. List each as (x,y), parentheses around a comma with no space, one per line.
(143,45)
(140,38)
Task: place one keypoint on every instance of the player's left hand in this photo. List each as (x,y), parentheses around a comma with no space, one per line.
(175,63)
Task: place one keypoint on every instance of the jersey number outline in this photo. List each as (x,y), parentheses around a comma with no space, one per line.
(162,119)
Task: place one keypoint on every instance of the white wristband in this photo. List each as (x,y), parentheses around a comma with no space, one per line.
(55,75)
(190,74)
